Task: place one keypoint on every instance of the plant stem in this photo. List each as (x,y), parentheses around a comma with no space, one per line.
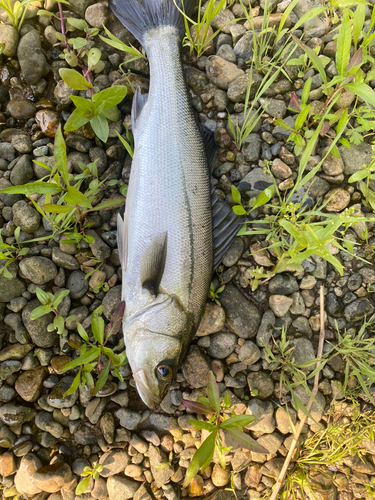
(297,434)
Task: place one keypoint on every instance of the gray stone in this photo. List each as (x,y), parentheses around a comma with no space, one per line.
(317,408)
(8,367)
(265,328)
(32,61)
(249,353)
(56,397)
(283,284)
(303,352)
(358,309)
(113,462)
(195,368)
(128,419)
(22,172)
(233,254)
(26,217)
(226,52)
(244,47)
(99,249)
(298,306)
(222,345)
(77,284)
(255,182)
(111,301)
(355,157)
(10,288)
(8,199)
(280,304)
(242,315)
(64,260)
(121,488)
(97,15)
(7,151)
(38,269)
(282,134)
(251,148)
(263,412)
(260,384)
(62,93)
(274,107)
(9,37)
(221,72)
(37,328)
(11,414)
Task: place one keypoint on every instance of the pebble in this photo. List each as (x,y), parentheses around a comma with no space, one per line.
(31,58)
(77,284)
(249,353)
(29,384)
(38,270)
(221,72)
(233,254)
(21,109)
(338,200)
(48,121)
(358,309)
(213,320)
(260,384)
(121,488)
(113,462)
(9,36)
(37,329)
(264,413)
(52,478)
(195,368)
(220,477)
(26,217)
(56,397)
(265,328)
(23,480)
(22,172)
(283,284)
(280,304)
(129,419)
(7,464)
(96,15)
(222,345)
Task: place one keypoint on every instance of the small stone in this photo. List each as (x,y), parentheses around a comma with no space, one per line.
(233,254)
(7,437)
(358,309)
(23,480)
(9,37)
(26,217)
(97,15)
(48,121)
(249,353)
(56,397)
(111,301)
(37,328)
(7,368)
(128,419)
(222,345)
(266,328)
(52,478)
(355,157)
(195,368)
(284,420)
(280,169)
(280,304)
(29,384)
(332,165)
(30,56)
(22,172)
(213,320)
(263,412)
(7,462)
(255,182)
(307,283)
(260,384)
(251,148)
(113,462)
(220,476)
(121,488)
(77,284)
(221,72)
(338,200)
(38,269)
(15,351)
(303,352)
(21,109)
(274,107)
(283,284)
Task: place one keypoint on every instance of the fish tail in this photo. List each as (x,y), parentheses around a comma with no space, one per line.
(140,16)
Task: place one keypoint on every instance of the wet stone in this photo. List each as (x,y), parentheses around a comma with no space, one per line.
(56,399)
(48,122)
(8,367)
(21,109)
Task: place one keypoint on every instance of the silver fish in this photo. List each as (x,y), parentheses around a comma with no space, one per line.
(166,239)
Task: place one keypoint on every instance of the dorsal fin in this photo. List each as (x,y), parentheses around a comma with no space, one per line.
(153,263)
(139,100)
(225,224)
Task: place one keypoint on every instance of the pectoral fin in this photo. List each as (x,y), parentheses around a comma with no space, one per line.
(153,263)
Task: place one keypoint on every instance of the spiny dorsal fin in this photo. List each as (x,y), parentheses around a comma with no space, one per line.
(139,100)
(153,263)
(225,225)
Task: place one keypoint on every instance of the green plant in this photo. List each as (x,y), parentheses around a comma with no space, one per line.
(358,353)
(257,274)
(363,178)
(89,472)
(69,214)
(10,253)
(219,425)
(50,304)
(197,38)
(305,63)
(129,143)
(214,294)
(101,106)
(16,12)
(118,44)
(96,356)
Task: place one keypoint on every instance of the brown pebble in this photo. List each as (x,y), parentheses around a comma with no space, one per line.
(48,122)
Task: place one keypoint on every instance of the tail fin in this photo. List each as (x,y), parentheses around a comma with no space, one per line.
(139,16)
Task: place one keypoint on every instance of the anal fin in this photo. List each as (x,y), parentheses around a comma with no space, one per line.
(153,263)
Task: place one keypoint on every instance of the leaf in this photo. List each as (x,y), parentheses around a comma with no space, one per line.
(301,118)
(363,91)
(79,24)
(314,58)
(93,57)
(97,327)
(126,145)
(356,60)
(310,14)
(82,486)
(236,195)
(84,105)
(358,22)
(306,91)
(115,202)
(284,125)
(88,356)
(118,44)
(213,393)
(75,197)
(42,296)
(82,332)
(264,197)
(358,176)
(114,358)
(201,424)
(116,319)
(246,441)
(57,209)
(40,311)
(100,126)
(33,188)
(343,44)
(74,79)
(58,323)
(74,386)
(196,407)
(112,96)
(77,119)
(239,210)
(112,114)
(201,459)
(237,421)
(102,378)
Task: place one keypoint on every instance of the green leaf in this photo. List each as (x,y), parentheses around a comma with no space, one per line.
(112,114)
(284,125)
(82,104)
(82,486)
(102,378)
(213,393)
(363,91)
(314,58)
(40,311)
(93,57)
(118,44)
(100,126)
(201,424)
(74,79)
(126,145)
(57,209)
(239,421)
(310,14)
(77,119)
(82,332)
(306,91)
(246,441)
(75,197)
(115,202)
(58,323)
(358,176)
(87,357)
(301,118)
(112,96)
(202,458)
(33,188)
(239,210)
(74,386)
(114,358)
(78,24)
(343,44)
(358,22)
(60,155)
(97,327)
(264,197)
(42,296)
(236,195)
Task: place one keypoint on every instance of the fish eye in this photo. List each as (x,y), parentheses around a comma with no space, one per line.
(164,372)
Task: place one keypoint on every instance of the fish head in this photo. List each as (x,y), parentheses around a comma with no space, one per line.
(155,344)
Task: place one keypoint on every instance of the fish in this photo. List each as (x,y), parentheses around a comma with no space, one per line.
(175,230)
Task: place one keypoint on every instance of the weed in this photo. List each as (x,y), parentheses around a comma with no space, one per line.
(129,142)
(95,355)
(16,12)
(257,274)
(363,177)
(69,214)
(50,304)
(89,472)
(10,253)
(118,44)
(214,294)
(219,425)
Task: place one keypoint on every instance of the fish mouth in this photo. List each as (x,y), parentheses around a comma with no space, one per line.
(144,388)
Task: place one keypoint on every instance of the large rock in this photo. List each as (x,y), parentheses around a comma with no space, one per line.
(242,315)
(38,269)
(32,61)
